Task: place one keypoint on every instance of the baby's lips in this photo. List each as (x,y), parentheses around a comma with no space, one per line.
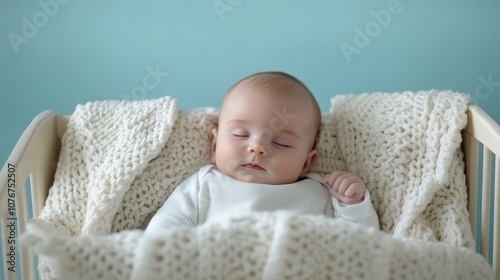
(254,166)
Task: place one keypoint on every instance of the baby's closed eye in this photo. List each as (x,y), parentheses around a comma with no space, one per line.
(280,144)
(240,133)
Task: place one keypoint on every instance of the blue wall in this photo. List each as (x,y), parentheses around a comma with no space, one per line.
(56,54)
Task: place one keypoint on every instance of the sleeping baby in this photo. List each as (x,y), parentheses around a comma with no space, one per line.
(262,151)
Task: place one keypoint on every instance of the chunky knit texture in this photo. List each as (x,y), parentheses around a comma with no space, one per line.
(107,144)
(406,148)
(117,168)
(267,246)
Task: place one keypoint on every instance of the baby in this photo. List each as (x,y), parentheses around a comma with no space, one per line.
(262,152)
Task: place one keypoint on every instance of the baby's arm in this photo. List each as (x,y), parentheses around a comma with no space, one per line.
(351,200)
(180,209)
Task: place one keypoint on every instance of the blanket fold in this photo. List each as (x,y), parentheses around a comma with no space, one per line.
(121,160)
(406,147)
(106,146)
(265,246)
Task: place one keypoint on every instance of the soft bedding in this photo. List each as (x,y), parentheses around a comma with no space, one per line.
(121,159)
(270,246)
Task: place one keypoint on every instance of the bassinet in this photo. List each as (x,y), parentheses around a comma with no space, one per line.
(37,153)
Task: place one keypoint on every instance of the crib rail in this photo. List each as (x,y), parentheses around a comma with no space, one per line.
(483,133)
(34,157)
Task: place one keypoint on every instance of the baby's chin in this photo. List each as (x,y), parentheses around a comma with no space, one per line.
(266,180)
(254,176)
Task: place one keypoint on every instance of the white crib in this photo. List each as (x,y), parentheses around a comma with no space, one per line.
(33,162)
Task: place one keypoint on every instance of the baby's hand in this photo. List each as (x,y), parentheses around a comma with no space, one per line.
(345,187)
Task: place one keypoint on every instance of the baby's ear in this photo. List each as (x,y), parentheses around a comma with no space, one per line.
(311,156)
(213,143)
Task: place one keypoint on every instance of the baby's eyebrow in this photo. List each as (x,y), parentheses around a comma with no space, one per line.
(236,122)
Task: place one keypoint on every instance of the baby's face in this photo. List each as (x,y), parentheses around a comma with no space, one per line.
(264,140)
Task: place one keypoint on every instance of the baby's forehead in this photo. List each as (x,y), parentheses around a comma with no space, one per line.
(280,88)
(276,93)
(278,110)
(270,102)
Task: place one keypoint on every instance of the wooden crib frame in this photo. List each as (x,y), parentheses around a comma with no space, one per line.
(36,154)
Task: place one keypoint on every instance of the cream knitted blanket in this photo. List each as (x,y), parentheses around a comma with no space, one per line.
(121,160)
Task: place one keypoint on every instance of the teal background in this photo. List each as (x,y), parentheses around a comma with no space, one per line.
(83,51)
(57,54)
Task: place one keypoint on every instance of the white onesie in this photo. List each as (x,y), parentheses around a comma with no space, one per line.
(208,195)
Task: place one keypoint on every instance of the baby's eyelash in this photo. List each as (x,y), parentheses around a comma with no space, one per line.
(240,135)
(281,145)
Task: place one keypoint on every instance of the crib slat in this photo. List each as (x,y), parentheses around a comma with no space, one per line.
(22,220)
(22,257)
(34,154)
(496,213)
(485,199)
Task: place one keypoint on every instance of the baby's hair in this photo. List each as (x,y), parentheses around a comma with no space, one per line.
(281,85)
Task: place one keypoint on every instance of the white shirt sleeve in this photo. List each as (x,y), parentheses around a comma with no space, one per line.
(361,213)
(180,209)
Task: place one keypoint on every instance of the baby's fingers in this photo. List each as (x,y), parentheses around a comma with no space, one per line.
(357,198)
(355,188)
(331,178)
(349,186)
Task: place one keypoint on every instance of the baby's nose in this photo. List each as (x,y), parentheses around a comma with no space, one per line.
(258,148)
